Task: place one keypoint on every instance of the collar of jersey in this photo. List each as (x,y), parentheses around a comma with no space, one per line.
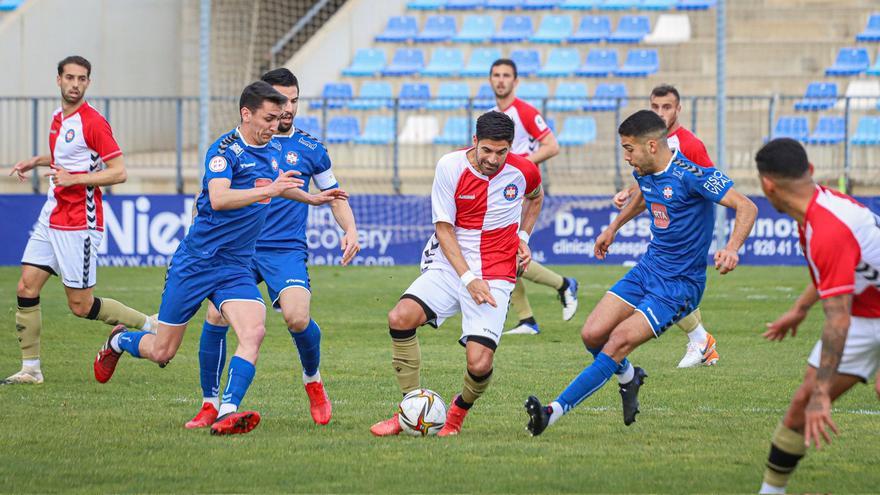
(63,117)
(674,152)
(249,145)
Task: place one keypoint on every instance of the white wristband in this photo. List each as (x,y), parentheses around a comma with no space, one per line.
(524,236)
(467,277)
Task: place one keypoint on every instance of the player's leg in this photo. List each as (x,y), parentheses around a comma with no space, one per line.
(519,303)
(84,304)
(701,344)
(565,287)
(212,360)
(29,323)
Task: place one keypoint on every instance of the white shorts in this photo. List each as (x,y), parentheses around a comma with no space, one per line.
(861,352)
(442,295)
(70,254)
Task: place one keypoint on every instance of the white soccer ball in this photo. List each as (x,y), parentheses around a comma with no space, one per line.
(422,412)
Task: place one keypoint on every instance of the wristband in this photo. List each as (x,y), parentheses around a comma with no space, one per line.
(523,235)
(467,277)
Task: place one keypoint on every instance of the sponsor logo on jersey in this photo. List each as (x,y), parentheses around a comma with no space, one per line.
(661,216)
(238,150)
(511,192)
(715,184)
(274,165)
(217,164)
(69,135)
(263,182)
(646,188)
(678,173)
(292,157)
(466,196)
(667,192)
(248,165)
(308,144)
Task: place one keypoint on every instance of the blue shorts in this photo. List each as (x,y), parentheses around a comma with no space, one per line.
(661,299)
(191,280)
(281,269)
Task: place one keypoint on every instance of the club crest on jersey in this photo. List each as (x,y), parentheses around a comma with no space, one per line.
(274,165)
(667,192)
(238,150)
(292,157)
(69,135)
(511,192)
(217,164)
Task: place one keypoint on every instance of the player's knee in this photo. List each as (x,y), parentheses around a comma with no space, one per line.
(214,317)
(297,321)
(618,346)
(163,354)
(80,307)
(480,365)
(399,319)
(26,290)
(252,336)
(591,337)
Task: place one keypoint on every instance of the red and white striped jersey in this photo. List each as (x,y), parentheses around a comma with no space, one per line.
(79,143)
(529,127)
(485,211)
(841,241)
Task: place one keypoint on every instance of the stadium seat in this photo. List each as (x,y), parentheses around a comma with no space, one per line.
(551,123)
(534,93)
(503,4)
(445,62)
(791,127)
(373,95)
(414,95)
(368,62)
(599,63)
(308,124)
(480,62)
(485,98)
(419,129)
(607,98)
(561,62)
(450,96)
(872,29)
(475,29)
(850,62)
(437,28)
(579,4)
(342,129)
(540,4)
(669,29)
(658,4)
(334,95)
(592,29)
(577,131)
(620,4)
(829,130)
(378,130)
(553,29)
(569,97)
(400,28)
(464,4)
(426,4)
(456,132)
(695,4)
(514,28)
(528,62)
(10,5)
(406,62)
(862,94)
(874,70)
(819,96)
(639,63)
(867,132)
(630,29)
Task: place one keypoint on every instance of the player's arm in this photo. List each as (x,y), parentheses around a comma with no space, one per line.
(477,287)
(319,199)
(531,209)
(23,166)
(548,149)
(631,210)
(791,319)
(115,173)
(344,216)
(727,258)
(224,197)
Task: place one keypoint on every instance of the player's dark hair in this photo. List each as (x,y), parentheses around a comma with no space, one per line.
(665,89)
(77,60)
(642,123)
(280,77)
(504,61)
(783,157)
(256,93)
(495,126)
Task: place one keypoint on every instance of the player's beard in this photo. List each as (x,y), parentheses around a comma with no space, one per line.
(285,128)
(72,100)
(502,96)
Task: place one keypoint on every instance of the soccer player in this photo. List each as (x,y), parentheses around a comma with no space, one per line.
(280,261)
(668,281)
(666,102)
(214,259)
(83,156)
(478,198)
(534,140)
(841,241)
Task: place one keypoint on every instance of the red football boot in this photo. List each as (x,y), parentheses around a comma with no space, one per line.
(319,403)
(454,419)
(387,428)
(235,423)
(206,417)
(105,361)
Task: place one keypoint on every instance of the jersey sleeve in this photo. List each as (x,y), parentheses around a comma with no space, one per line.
(99,137)
(218,165)
(696,152)
(710,183)
(533,121)
(833,254)
(443,194)
(323,174)
(530,171)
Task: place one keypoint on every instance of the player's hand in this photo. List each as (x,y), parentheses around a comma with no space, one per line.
(327,196)
(479,290)
(603,242)
(350,246)
(788,321)
(23,166)
(726,260)
(818,415)
(620,199)
(283,182)
(523,257)
(60,176)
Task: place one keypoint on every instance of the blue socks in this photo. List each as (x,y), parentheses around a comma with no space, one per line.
(620,369)
(308,343)
(588,382)
(241,374)
(129,341)
(212,358)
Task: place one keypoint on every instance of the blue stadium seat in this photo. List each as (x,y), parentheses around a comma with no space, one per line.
(620,4)
(342,129)
(874,70)
(579,4)
(639,63)
(829,130)
(540,4)
(437,28)
(10,5)
(426,4)
(592,29)
(475,29)
(867,132)
(335,95)
(599,63)
(553,29)
(695,4)
(480,62)
(464,4)
(561,62)
(485,98)
(551,123)
(791,127)
(577,131)
(400,28)
(445,62)
(872,29)
(503,4)
(608,96)
(630,29)
(850,62)
(658,4)
(450,96)
(414,95)
(378,130)
(535,93)
(819,96)
(569,97)
(373,95)
(367,62)
(309,124)
(406,62)
(528,62)
(514,28)
(456,132)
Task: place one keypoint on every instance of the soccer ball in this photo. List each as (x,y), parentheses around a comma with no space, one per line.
(421,413)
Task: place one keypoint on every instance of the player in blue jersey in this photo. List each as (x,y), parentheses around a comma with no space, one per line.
(213,260)
(668,282)
(280,261)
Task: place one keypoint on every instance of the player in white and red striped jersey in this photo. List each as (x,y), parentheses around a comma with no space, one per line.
(485,201)
(841,240)
(65,240)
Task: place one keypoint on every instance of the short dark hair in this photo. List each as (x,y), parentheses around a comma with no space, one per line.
(665,89)
(280,77)
(642,123)
(496,126)
(256,93)
(504,61)
(75,59)
(783,157)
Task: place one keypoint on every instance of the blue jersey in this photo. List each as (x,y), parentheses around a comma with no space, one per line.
(680,200)
(233,233)
(285,226)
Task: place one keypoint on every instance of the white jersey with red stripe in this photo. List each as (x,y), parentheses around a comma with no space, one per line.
(841,241)
(485,211)
(529,127)
(80,143)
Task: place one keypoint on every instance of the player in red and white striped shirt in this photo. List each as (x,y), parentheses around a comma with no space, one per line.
(65,240)
(841,241)
(485,201)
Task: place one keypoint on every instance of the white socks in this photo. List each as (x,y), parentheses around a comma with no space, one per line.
(114,343)
(226,408)
(628,374)
(212,400)
(698,335)
(31,364)
(314,378)
(771,490)
(556,414)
